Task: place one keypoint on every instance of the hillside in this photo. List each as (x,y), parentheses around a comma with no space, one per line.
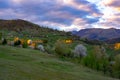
(27,64)
(108,35)
(25,29)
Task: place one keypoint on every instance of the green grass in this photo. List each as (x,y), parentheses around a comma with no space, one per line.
(26,64)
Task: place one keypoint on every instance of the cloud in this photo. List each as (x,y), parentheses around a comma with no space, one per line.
(10,14)
(111,14)
(112,3)
(17,1)
(57,14)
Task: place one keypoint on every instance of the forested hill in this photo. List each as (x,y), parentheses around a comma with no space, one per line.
(27,28)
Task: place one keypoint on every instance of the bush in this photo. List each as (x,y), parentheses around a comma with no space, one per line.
(41,48)
(0,36)
(62,49)
(49,49)
(45,41)
(101,57)
(17,42)
(116,66)
(24,44)
(90,61)
(96,59)
(80,51)
(4,41)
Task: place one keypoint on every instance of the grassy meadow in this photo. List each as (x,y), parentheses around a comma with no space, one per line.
(27,64)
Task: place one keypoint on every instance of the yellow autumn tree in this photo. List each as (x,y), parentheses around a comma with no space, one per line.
(68,41)
(117,46)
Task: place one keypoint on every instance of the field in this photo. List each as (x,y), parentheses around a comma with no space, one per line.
(26,64)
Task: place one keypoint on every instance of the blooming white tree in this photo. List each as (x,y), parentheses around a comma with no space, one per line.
(80,51)
(41,48)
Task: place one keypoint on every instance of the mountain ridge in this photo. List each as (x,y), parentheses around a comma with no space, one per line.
(110,35)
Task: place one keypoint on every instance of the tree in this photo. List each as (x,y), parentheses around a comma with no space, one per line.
(62,49)
(0,36)
(4,41)
(80,51)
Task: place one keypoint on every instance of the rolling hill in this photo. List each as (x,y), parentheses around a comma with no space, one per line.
(25,29)
(26,64)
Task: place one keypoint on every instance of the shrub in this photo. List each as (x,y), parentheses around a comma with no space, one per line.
(49,49)
(4,41)
(33,45)
(101,57)
(96,59)
(45,41)
(62,49)
(11,43)
(116,66)
(0,36)
(41,48)
(17,42)
(90,61)
(29,42)
(24,44)
(80,51)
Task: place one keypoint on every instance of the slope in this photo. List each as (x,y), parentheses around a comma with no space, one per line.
(27,64)
(28,30)
(25,28)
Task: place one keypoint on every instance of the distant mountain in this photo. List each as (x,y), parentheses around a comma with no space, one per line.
(114,40)
(74,32)
(111,35)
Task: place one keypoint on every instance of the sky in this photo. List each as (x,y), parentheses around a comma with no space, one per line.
(67,15)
